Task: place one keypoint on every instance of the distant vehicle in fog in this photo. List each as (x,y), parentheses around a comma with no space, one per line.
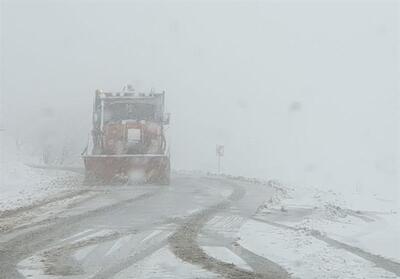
(128,138)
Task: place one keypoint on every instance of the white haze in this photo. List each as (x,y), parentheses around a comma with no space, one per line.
(304,92)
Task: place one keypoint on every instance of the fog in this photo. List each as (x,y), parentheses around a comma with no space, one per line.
(303,92)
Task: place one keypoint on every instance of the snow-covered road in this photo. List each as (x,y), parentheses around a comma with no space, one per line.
(198,227)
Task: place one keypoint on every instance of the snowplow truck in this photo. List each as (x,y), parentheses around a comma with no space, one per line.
(128,140)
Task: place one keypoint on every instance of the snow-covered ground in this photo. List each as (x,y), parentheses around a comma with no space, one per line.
(21,185)
(366,221)
(315,233)
(310,232)
(304,256)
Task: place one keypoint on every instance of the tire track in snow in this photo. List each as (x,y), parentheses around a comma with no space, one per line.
(183,243)
(26,244)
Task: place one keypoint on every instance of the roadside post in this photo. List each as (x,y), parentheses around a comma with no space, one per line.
(219,153)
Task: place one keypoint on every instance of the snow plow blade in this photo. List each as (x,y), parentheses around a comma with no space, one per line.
(123,169)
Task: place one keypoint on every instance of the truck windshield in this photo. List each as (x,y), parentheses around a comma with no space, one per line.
(123,111)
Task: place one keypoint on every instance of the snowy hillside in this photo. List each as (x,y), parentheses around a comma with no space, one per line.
(21,185)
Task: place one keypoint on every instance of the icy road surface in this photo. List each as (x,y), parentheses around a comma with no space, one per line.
(198,227)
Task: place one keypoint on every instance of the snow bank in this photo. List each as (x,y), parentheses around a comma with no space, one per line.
(305,256)
(21,185)
(369,222)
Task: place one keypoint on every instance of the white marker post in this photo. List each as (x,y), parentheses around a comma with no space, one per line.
(220,153)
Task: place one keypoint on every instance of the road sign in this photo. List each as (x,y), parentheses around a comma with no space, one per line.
(220,150)
(220,153)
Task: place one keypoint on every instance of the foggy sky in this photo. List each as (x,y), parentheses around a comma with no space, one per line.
(298,91)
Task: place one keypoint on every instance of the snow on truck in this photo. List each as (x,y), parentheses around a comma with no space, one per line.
(128,138)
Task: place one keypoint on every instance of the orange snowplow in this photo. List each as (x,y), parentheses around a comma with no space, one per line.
(128,140)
